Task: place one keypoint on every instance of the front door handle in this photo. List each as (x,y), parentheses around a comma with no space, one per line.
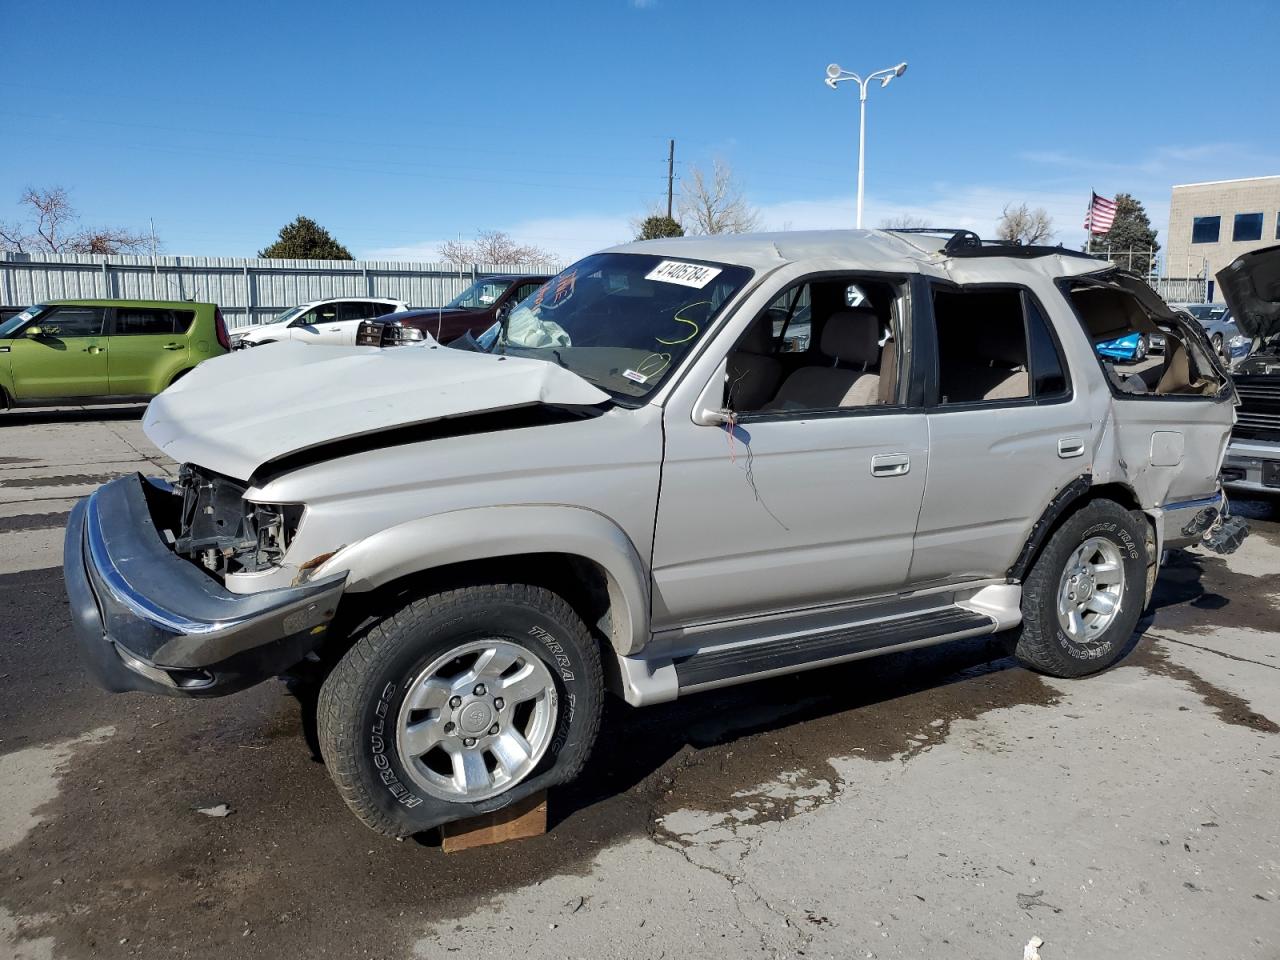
(1069,447)
(173,346)
(94,349)
(890,464)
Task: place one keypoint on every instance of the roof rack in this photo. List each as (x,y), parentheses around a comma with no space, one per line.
(966,243)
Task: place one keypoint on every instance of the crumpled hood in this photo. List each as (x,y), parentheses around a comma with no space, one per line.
(236,412)
(263,330)
(1251,286)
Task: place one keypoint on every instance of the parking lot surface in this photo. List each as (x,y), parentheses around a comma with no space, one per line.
(943,803)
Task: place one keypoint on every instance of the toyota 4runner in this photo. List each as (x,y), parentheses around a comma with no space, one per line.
(644,483)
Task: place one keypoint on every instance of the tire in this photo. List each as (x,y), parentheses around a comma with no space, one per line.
(1217,345)
(1142,349)
(366,719)
(1045,643)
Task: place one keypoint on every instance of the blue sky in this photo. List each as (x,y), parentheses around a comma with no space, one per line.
(399,125)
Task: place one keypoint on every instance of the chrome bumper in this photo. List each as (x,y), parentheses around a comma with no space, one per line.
(1252,466)
(149,620)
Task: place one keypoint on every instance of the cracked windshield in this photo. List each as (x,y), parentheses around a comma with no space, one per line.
(622,321)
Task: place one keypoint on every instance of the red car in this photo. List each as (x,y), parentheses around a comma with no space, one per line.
(473,311)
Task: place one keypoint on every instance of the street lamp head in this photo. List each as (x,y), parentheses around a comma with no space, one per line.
(830,82)
(900,69)
(833,70)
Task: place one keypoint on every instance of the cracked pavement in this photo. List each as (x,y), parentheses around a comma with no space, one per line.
(938,803)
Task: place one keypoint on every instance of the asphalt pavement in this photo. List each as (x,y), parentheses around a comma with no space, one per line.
(942,803)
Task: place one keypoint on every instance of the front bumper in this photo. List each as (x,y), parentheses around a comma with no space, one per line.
(1252,466)
(149,620)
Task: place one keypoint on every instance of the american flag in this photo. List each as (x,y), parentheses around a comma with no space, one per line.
(1102,213)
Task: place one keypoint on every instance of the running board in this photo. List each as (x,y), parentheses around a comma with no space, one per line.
(721,666)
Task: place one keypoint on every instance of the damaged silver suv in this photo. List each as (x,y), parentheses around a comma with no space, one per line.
(646,481)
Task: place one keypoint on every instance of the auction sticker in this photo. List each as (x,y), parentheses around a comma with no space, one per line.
(685,274)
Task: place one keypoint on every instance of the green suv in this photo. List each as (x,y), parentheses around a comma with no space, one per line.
(104,350)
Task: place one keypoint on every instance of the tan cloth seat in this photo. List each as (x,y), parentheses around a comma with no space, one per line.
(1176,377)
(848,336)
(753,371)
(994,368)
(889,372)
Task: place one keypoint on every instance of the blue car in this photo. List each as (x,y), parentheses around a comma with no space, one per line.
(1131,347)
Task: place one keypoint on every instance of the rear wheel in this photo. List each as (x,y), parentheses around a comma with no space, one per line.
(460,703)
(1142,348)
(1085,592)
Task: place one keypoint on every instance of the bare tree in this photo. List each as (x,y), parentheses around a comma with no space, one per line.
(493,246)
(903,221)
(714,203)
(52,226)
(1022,225)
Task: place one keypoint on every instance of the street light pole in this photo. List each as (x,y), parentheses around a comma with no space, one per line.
(837,75)
(862,146)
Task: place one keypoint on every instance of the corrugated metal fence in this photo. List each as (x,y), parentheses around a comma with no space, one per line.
(248,290)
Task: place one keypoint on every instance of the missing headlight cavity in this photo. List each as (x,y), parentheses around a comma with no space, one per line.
(225,533)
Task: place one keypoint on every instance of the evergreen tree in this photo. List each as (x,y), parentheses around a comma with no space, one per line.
(659,225)
(304,239)
(1131,230)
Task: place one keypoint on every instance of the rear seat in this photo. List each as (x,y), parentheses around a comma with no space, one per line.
(994,368)
(851,337)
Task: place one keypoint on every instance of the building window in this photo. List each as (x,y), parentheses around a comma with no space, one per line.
(1205,229)
(1248,226)
(1278,226)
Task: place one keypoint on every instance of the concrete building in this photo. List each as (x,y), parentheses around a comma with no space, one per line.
(1210,224)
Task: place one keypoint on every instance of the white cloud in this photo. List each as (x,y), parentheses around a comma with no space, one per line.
(569,237)
(1057,180)
(974,207)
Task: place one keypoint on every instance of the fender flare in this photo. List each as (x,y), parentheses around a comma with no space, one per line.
(487,533)
(1068,495)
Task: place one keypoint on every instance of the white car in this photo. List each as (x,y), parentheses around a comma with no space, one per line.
(333,322)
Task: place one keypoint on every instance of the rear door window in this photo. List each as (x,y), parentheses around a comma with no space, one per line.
(358,310)
(995,346)
(151,321)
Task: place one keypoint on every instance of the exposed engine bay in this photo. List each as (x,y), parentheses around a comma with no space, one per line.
(224,533)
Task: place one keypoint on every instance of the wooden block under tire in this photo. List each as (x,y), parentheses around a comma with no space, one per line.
(524,819)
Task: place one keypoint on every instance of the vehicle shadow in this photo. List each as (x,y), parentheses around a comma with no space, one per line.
(36,416)
(877,708)
(733,740)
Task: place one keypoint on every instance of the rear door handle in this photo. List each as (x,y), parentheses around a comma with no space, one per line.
(890,464)
(1069,447)
(335,329)
(173,346)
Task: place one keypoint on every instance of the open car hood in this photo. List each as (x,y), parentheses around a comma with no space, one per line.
(1251,287)
(236,412)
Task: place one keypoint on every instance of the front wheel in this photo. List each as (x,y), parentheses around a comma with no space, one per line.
(1085,592)
(460,703)
(1141,349)
(1218,346)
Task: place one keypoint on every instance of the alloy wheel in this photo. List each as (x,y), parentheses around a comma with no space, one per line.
(477,720)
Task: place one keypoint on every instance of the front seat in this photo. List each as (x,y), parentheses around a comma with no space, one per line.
(753,370)
(850,337)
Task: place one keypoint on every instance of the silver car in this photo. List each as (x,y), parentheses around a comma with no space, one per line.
(680,464)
